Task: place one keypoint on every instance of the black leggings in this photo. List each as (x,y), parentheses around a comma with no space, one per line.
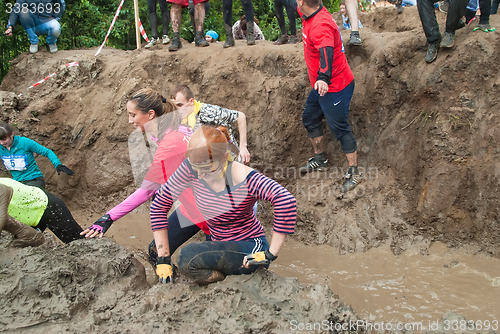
(180,230)
(59,220)
(153,19)
(227,10)
(290,6)
(38,182)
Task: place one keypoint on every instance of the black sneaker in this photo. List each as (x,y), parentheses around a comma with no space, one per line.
(448,40)
(355,38)
(351,179)
(432,52)
(319,162)
(176,43)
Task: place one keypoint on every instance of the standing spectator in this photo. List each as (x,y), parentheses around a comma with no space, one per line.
(346,24)
(333,83)
(290,6)
(199,18)
(153,20)
(241,30)
(494,6)
(41,18)
(456,11)
(17,156)
(227,8)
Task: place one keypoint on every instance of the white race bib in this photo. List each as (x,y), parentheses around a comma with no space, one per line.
(14,162)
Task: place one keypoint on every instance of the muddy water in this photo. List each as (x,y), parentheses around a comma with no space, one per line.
(378,285)
(405,288)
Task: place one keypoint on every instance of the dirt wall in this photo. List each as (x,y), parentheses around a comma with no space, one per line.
(427,133)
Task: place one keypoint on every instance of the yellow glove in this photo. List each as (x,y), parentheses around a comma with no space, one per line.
(164,270)
(259,258)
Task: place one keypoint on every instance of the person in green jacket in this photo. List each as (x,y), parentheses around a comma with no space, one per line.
(36,208)
(17,156)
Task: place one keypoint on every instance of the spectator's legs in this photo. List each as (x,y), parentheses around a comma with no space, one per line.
(227,12)
(291,9)
(248,10)
(52,29)
(428,18)
(199,18)
(352,12)
(280,15)
(494,6)
(485,6)
(165,16)
(29,22)
(153,19)
(175,15)
(455,13)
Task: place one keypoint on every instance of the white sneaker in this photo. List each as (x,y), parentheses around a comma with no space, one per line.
(166,40)
(52,48)
(152,42)
(34,48)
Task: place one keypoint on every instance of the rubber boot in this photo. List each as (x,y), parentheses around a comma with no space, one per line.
(176,42)
(24,235)
(250,35)
(229,36)
(199,39)
(215,277)
(5,197)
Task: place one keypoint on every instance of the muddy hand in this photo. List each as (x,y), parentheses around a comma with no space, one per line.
(259,258)
(164,270)
(8,32)
(98,228)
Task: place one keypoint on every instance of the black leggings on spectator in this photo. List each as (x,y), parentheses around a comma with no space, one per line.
(290,6)
(59,220)
(227,10)
(153,18)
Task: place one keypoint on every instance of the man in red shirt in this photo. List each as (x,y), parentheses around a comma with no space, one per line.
(333,83)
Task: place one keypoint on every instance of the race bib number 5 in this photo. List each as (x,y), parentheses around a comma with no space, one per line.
(14,162)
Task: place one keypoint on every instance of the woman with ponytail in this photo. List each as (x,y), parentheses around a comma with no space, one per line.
(225,192)
(150,112)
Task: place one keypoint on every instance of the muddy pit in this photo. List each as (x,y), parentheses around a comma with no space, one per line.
(427,141)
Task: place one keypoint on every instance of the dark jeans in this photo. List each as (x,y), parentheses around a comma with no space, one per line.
(153,19)
(59,220)
(38,182)
(180,230)
(198,260)
(227,10)
(427,14)
(335,108)
(290,6)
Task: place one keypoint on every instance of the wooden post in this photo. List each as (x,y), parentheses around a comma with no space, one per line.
(137,33)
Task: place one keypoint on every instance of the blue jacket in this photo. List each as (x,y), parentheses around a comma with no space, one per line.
(19,160)
(43,9)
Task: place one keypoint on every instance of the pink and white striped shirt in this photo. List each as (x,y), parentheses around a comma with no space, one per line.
(229,213)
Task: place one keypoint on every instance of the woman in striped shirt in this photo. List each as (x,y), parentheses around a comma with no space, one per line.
(225,193)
